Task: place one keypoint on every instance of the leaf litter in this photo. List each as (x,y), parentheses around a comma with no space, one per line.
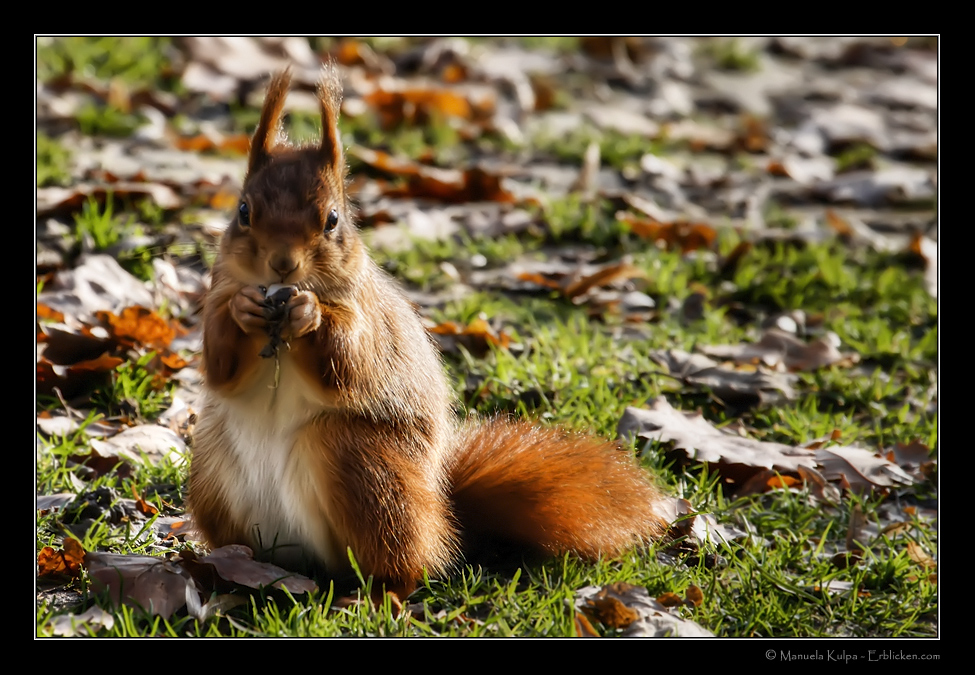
(739,459)
(93,314)
(163,586)
(631,610)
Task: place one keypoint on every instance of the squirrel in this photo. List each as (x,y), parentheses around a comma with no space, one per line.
(328,425)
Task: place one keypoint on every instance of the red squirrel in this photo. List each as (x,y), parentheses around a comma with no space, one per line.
(332,427)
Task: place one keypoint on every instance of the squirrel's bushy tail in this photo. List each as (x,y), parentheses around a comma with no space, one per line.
(546,491)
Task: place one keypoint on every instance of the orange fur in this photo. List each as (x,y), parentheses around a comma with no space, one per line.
(347,439)
(550,491)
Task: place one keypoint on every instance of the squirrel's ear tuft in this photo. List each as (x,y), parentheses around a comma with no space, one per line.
(330,98)
(269,128)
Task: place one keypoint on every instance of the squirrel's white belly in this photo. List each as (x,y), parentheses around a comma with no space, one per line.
(273,491)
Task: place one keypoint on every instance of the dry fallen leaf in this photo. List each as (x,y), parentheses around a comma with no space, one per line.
(582,626)
(696,528)
(162,586)
(753,135)
(740,459)
(817,485)
(861,469)
(355,52)
(220,65)
(146,582)
(54,201)
(428,182)
(741,387)
(56,502)
(90,621)
(476,337)
(66,345)
(204,142)
(765,481)
(46,313)
(705,443)
(74,379)
(839,224)
(171,527)
(610,611)
(838,586)
(580,283)
(803,170)
(909,454)
(96,284)
(153,442)
(694,595)
(415,105)
(236,563)
(783,351)
(631,609)
(670,599)
(144,507)
(66,562)
(917,553)
(894,185)
(699,136)
(679,235)
(606,276)
(138,325)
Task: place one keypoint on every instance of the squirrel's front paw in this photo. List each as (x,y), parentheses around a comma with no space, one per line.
(304,314)
(247,309)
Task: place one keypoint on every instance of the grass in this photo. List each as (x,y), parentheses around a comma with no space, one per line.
(135,60)
(732,54)
(581,372)
(769,584)
(857,156)
(100,229)
(53,162)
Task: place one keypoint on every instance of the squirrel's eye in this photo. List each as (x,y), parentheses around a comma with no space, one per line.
(331,220)
(244,214)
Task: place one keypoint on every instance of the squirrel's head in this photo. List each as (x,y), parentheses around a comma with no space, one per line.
(293,223)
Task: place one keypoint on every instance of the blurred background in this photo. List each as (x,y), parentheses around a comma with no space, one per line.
(760,133)
(547,166)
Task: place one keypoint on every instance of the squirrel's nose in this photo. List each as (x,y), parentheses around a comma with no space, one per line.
(283,264)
